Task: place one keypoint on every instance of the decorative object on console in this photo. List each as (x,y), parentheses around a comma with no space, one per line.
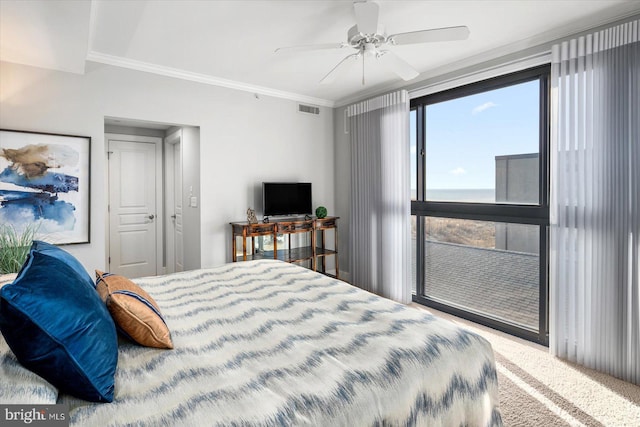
(321,212)
(58,201)
(251,216)
(134,311)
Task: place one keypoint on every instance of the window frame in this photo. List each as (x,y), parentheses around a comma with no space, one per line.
(530,214)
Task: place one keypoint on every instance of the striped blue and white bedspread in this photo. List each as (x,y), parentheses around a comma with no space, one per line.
(267,343)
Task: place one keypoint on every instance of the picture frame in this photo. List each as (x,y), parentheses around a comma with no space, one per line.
(45,185)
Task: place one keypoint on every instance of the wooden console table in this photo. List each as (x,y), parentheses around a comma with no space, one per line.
(314,252)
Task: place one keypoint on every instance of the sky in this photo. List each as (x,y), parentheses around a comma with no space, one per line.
(465,135)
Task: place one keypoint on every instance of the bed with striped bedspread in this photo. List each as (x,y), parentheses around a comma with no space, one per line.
(267,343)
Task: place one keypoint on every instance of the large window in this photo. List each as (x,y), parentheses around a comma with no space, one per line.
(480,212)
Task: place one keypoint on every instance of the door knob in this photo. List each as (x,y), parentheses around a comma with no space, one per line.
(151,216)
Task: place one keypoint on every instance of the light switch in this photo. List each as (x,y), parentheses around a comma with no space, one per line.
(193,201)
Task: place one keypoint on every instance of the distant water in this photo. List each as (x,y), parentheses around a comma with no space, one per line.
(483,195)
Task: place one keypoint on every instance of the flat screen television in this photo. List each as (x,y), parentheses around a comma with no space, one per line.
(286,198)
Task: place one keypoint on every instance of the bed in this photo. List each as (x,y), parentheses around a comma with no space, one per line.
(268,343)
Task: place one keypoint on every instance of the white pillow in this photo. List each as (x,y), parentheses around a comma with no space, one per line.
(5,279)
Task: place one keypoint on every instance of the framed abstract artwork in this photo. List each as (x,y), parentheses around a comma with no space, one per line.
(45,184)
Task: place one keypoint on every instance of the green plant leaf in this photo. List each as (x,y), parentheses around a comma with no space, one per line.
(14,246)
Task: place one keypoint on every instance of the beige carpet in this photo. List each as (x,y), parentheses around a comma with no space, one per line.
(537,389)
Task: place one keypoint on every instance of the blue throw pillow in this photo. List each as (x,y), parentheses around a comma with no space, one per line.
(60,329)
(62,255)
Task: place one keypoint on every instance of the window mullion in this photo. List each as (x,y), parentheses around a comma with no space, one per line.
(420,236)
(420,151)
(489,212)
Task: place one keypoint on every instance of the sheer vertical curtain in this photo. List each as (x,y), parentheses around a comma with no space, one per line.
(380,196)
(595,201)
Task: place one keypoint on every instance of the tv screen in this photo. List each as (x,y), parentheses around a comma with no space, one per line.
(286,198)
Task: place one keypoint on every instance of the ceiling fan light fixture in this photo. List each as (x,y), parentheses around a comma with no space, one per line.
(369,49)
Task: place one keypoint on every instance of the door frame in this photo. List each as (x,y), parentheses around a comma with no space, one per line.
(169,203)
(159,223)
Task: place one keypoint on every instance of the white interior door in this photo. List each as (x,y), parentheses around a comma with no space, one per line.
(177,209)
(133,234)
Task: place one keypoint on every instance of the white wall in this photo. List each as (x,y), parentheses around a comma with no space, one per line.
(191,215)
(244,140)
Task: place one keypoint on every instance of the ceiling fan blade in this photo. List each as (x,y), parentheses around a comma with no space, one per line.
(366,17)
(335,71)
(311,47)
(434,35)
(397,65)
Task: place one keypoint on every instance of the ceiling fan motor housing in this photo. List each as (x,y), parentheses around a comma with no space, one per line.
(356,39)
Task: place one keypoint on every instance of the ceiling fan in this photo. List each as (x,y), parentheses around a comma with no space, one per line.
(368,38)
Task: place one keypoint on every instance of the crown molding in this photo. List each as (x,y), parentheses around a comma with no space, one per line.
(118,61)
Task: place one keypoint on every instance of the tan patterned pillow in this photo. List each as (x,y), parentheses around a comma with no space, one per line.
(134,312)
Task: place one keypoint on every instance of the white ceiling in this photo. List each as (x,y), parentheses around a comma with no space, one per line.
(232,43)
